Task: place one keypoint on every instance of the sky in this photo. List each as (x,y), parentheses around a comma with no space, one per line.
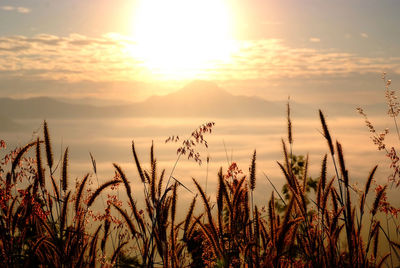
(314,51)
(317,52)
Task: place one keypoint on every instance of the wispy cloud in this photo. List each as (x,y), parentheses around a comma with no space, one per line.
(315,40)
(364,35)
(23,10)
(81,58)
(7,8)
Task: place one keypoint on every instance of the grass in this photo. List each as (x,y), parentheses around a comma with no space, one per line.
(46,223)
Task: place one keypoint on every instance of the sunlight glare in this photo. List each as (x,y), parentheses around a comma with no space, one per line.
(181,38)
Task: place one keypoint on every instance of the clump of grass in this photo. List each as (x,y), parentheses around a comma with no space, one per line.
(37,225)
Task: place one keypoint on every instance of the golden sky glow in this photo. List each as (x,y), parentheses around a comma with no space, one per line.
(248,46)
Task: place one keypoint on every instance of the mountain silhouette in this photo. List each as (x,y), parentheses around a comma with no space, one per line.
(203,98)
(196,99)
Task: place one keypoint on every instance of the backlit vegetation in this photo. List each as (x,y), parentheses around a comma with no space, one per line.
(46,220)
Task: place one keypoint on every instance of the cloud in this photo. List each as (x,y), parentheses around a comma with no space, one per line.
(108,58)
(7,8)
(315,40)
(23,10)
(364,35)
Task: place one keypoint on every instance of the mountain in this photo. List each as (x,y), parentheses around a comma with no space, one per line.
(98,102)
(43,107)
(197,99)
(202,98)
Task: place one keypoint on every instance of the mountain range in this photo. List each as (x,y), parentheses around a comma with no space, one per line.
(197,99)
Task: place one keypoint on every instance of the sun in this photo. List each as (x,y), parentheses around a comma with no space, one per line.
(181,38)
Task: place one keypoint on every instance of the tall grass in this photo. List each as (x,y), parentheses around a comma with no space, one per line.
(43,222)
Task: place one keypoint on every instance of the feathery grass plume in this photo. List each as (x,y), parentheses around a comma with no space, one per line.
(220,201)
(257,235)
(327,135)
(213,239)
(189,218)
(126,183)
(285,173)
(40,176)
(153,183)
(49,152)
(334,198)
(300,199)
(173,205)
(17,159)
(224,191)
(146,176)
(127,219)
(152,159)
(375,235)
(93,163)
(290,136)
(64,177)
(238,191)
(271,215)
(107,224)
(160,182)
(370,178)
(323,172)
(305,174)
(286,158)
(9,213)
(245,205)
(100,189)
(378,199)
(138,166)
(129,193)
(63,219)
(349,222)
(319,194)
(79,193)
(342,164)
(335,219)
(8,181)
(35,186)
(285,226)
(153,163)
(253,172)
(265,238)
(208,209)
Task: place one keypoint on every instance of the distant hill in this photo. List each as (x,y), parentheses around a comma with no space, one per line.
(98,102)
(197,99)
(201,98)
(43,107)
